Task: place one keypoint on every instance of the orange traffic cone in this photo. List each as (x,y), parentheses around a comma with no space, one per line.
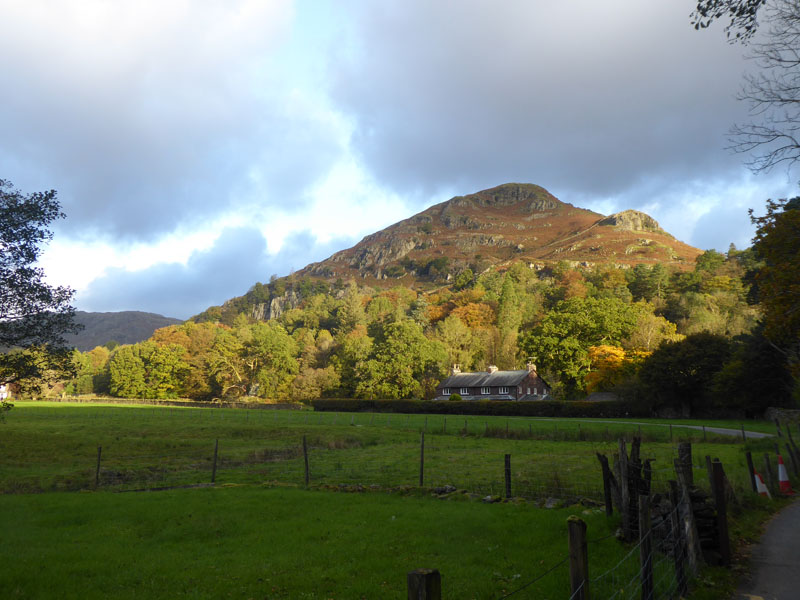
(783,478)
(760,487)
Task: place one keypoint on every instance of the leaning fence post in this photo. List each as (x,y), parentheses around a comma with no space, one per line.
(424,584)
(645,547)
(722,512)
(214,466)
(97,471)
(678,539)
(778,428)
(508,475)
(749,456)
(421,458)
(578,559)
(305,460)
(606,483)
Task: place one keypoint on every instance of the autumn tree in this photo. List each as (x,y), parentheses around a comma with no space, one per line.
(562,340)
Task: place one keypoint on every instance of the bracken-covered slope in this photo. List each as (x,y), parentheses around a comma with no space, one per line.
(509,223)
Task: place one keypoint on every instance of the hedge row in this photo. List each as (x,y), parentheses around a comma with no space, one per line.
(616,408)
(183,403)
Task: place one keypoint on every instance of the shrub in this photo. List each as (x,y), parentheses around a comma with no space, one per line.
(455,397)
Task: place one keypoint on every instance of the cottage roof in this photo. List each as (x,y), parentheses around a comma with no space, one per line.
(485,379)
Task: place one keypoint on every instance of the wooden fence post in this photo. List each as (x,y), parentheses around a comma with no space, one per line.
(722,512)
(792,458)
(645,548)
(778,428)
(624,490)
(508,475)
(751,469)
(685,458)
(606,483)
(678,539)
(214,465)
(694,552)
(578,559)
(305,459)
(710,471)
(97,471)
(424,584)
(421,458)
(744,437)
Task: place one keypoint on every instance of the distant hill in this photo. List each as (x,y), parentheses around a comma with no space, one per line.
(125,327)
(491,229)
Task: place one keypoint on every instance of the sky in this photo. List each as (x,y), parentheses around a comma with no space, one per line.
(200,147)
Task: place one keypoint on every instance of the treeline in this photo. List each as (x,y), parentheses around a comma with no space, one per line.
(689,342)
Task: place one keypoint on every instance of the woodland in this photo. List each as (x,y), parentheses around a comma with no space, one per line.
(722,336)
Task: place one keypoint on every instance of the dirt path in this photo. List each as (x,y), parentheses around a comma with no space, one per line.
(775,562)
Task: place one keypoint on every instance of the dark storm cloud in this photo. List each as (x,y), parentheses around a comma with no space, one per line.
(237,260)
(581,97)
(148,117)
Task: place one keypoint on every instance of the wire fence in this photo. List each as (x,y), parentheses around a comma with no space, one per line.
(444,464)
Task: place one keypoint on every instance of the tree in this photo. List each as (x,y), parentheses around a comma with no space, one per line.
(679,375)
(404,364)
(561,341)
(742,14)
(33,315)
(777,243)
(773,93)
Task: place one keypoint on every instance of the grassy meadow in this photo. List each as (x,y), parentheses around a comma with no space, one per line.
(259,534)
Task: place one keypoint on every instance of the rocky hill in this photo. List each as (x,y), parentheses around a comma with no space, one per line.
(125,327)
(492,228)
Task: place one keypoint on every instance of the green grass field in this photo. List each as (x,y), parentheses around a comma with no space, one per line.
(259,534)
(54,448)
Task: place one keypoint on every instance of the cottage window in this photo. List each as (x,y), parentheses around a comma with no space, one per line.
(503,390)
(486,390)
(445,391)
(465,391)
(529,391)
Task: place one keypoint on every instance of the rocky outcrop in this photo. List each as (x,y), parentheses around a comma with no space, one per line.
(382,253)
(632,220)
(278,305)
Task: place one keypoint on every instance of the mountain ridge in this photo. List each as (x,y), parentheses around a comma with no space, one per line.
(507,222)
